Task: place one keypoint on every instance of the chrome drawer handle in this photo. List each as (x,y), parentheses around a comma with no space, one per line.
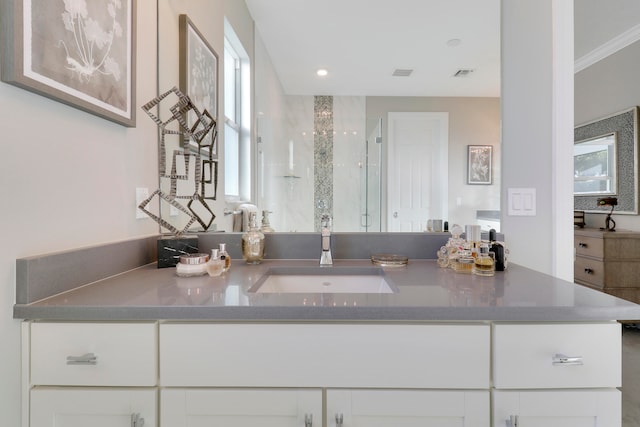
(562,360)
(582,245)
(308,420)
(339,420)
(137,420)
(588,270)
(85,359)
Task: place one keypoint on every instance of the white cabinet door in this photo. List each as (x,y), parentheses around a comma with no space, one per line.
(240,408)
(407,408)
(58,407)
(566,408)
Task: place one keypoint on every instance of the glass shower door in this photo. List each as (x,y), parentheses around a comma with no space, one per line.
(371,179)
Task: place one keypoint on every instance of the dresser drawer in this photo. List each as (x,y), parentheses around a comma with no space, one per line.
(589,246)
(321,355)
(589,270)
(94,354)
(525,356)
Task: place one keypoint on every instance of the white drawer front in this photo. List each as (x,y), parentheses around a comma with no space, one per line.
(125,354)
(316,355)
(524,355)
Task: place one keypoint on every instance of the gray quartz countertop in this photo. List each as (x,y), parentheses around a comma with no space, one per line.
(424,292)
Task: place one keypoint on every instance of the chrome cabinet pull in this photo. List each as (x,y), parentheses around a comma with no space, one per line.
(85,359)
(588,270)
(562,360)
(308,420)
(339,420)
(513,421)
(582,245)
(137,420)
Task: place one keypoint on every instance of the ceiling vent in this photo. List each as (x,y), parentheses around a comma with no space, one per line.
(399,72)
(463,72)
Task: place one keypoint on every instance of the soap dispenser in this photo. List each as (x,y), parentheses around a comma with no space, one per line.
(266,227)
(253,242)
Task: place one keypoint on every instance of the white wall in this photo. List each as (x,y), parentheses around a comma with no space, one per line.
(68,180)
(607,87)
(536,131)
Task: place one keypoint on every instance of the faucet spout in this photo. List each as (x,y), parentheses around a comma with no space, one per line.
(325,256)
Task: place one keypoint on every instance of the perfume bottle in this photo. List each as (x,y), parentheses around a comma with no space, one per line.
(253,242)
(215,265)
(225,256)
(484,264)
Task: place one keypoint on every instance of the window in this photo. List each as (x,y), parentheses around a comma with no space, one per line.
(594,163)
(237,118)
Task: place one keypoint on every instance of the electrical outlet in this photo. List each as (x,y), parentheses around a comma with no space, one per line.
(141,195)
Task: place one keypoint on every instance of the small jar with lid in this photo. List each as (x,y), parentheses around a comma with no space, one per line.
(192,265)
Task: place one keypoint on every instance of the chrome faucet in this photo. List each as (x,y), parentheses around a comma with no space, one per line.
(325,232)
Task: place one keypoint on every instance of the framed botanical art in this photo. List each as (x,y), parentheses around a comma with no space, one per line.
(199,76)
(479,158)
(81,53)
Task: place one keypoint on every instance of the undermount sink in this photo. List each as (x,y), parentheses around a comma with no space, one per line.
(325,280)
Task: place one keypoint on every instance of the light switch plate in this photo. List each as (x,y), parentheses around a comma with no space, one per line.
(521,202)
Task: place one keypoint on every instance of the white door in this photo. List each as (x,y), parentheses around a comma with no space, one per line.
(417,169)
(240,408)
(408,408)
(566,408)
(93,407)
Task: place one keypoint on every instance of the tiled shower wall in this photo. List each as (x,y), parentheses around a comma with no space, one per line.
(311,159)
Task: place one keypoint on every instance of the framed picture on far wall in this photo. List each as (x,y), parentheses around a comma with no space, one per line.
(479,161)
(81,53)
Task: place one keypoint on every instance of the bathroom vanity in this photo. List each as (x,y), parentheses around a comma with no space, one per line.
(439,349)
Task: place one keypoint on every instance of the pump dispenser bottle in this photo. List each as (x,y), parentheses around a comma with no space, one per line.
(253,242)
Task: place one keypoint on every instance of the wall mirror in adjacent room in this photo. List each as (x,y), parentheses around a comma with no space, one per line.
(606,162)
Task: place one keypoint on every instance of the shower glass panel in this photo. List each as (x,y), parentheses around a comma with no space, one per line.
(371,179)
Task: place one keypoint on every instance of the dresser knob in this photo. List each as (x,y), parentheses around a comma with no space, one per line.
(588,270)
(582,245)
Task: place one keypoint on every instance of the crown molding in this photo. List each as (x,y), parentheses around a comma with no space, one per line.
(619,42)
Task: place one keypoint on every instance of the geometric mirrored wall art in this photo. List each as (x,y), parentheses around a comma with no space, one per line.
(191,169)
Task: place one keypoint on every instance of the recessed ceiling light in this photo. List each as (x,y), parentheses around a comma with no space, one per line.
(453,42)
(322,72)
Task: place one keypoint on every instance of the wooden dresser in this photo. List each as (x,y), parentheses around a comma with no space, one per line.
(608,261)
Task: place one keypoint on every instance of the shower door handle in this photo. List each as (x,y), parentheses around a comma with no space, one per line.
(365,220)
